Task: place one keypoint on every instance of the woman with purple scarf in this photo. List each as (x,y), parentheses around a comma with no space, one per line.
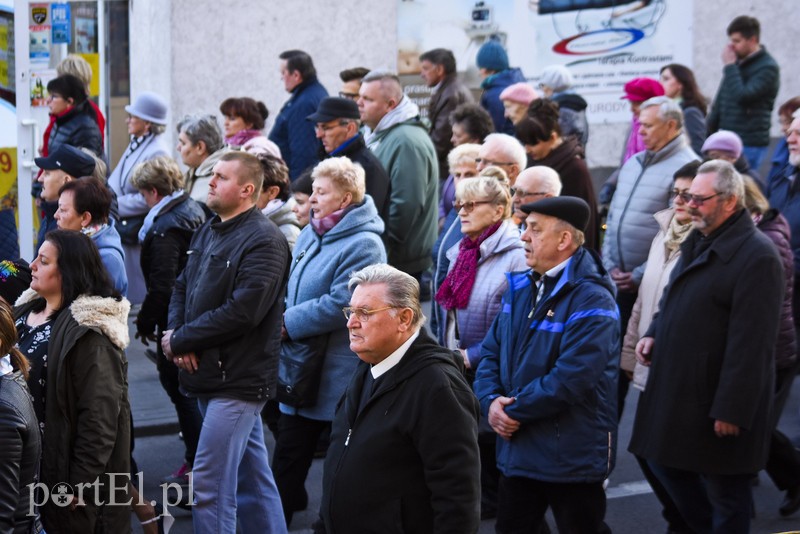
(472,290)
(245,119)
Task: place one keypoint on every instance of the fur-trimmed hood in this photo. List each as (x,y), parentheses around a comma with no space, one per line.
(104,314)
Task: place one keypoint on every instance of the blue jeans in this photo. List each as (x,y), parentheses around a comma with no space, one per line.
(231,472)
(709,503)
(754,155)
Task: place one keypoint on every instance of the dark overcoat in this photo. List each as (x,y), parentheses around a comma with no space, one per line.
(714,355)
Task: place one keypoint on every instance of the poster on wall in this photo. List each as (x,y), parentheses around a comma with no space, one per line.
(39,29)
(60,15)
(39,79)
(605,43)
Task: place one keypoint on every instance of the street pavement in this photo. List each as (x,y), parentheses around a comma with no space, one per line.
(632,507)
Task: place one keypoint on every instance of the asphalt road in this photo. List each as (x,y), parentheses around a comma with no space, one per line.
(632,507)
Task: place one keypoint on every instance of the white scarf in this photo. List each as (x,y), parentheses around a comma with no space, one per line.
(405,110)
(5,365)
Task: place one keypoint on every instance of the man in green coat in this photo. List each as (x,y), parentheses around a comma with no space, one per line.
(400,140)
(746,95)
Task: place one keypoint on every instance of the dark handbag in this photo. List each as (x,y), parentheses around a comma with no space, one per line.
(128,229)
(300,370)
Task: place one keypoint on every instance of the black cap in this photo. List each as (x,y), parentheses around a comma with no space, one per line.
(69,159)
(334,107)
(15,277)
(573,210)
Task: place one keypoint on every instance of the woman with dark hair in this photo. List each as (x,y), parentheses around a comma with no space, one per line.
(471,124)
(540,133)
(679,84)
(275,199)
(72,120)
(20,439)
(83,206)
(72,325)
(245,119)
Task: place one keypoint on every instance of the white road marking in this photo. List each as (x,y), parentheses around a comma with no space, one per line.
(629,489)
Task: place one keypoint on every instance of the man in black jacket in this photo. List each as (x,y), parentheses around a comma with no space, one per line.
(404,445)
(224,335)
(703,422)
(337,122)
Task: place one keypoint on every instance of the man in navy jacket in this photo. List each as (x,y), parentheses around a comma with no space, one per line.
(291,132)
(548,377)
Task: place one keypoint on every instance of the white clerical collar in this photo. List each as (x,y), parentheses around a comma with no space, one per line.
(394,358)
(555,271)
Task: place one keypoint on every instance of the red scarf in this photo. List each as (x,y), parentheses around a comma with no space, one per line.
(457,286)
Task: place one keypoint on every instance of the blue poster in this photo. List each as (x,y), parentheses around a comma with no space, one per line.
(60,18)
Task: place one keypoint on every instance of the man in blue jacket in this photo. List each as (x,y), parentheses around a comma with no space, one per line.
(291,132)
(548,377)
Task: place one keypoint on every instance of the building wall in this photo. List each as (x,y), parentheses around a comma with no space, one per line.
(199,52)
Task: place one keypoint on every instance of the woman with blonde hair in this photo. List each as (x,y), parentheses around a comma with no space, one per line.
(344,236)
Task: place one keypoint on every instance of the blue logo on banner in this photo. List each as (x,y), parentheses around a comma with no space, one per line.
(60,18)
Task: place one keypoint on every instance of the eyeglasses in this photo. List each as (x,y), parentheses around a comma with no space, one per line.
(323,128)
(516,192)
(699,201)
(351,96)
(683,195)
(489,162)
(469,205)
(361,314)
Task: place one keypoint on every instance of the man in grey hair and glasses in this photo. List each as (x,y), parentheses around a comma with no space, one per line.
(404,442)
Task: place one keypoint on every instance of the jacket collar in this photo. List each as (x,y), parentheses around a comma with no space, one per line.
(647,158)
(727,243)
(222,227)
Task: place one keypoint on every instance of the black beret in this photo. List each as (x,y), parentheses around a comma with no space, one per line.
(69,159)
(573,210)
(333,107)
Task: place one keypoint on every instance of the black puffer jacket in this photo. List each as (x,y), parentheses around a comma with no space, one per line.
(21,444)
(227,307)
(164,257)
(78,128)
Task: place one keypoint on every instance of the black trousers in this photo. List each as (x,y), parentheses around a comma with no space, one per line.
(783,463)
(625,301)
(577,508)
(294,452)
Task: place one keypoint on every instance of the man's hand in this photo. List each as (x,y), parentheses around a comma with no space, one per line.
(644,350)
(723,429)
(728,55)
(464,355)
(188,362)
(624,281)
(499,421)
(165,346)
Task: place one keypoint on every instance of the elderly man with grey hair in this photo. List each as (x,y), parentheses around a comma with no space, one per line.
(534,183)
(504,151)
(644,187)
(404,442)
(703,424)
(400,140)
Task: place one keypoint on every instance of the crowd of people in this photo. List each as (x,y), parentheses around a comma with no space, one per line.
(281,277)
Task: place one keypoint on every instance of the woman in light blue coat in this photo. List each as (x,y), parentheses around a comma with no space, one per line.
(344,236)
(147,120)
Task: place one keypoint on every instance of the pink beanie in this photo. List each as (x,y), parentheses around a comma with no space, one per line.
(519,92)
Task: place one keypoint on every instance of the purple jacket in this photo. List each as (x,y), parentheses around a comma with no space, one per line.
(776,227)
